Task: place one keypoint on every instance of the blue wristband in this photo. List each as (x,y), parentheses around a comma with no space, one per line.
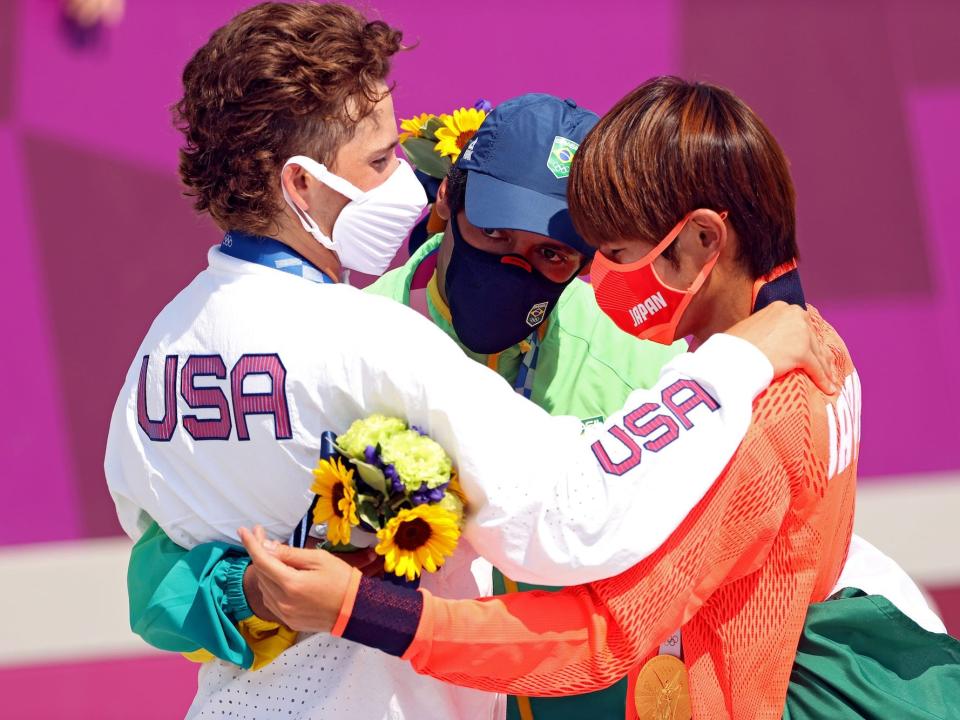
(385,616)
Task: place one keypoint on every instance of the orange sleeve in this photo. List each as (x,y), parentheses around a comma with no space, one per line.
(586,637)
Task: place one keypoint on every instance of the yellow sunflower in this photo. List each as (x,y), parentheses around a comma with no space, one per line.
(457,130)
(414,126)
(416,539)
(336,503)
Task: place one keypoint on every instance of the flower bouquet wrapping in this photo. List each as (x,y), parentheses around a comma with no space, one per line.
(394,481)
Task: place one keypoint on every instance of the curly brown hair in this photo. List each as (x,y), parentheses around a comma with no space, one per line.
(279,79)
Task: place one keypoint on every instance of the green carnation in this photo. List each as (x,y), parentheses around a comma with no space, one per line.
(452,504)
(369,432)
(417,459)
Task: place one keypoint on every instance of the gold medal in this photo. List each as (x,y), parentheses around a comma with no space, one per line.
(662,691)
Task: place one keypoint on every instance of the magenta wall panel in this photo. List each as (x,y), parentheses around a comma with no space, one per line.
(41,492)
(865,97)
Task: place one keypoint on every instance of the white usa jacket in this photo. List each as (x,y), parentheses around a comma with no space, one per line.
(218,425)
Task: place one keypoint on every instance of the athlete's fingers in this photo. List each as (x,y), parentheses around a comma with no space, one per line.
(820,373)
(822,367)
(265,597)
(276,603)
(274,593)
(297,558)
(785,334)
(254,595)
(308,598)
(261,552)
(311,559)
(365,560)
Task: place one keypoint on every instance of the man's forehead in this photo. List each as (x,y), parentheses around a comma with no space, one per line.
(374,134)
(380,121)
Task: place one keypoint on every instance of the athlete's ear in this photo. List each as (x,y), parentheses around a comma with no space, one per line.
(710,228)
(294,181)
(443,201)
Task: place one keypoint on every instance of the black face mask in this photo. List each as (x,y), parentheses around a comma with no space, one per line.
(495,300)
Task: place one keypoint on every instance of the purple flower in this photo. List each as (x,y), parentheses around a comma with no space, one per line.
(370,455)
(418,429)
(425,495)
(396,484)
(421,496)
(484,105)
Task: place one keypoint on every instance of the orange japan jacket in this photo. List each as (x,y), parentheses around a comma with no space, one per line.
(737,576)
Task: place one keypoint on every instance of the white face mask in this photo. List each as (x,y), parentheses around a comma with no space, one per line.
(372,226)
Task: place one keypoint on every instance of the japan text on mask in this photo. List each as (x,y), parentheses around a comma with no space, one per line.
(371,227)
(635,297)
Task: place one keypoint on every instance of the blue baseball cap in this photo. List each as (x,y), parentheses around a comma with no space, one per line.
(518,163)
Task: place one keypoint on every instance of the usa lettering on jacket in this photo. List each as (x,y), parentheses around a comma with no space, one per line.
(269,397)
(657,429)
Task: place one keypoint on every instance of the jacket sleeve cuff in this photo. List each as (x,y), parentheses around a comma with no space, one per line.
(384,616)
(234,601)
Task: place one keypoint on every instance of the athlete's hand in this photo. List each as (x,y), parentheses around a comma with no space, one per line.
(304,589)
(366,560)
(786,335)
(251,591)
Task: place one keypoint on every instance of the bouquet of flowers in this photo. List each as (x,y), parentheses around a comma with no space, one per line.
(434,142)
(395,481)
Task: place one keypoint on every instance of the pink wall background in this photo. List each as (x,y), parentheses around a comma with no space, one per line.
(864,95)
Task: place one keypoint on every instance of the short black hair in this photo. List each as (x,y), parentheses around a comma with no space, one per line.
(456,189)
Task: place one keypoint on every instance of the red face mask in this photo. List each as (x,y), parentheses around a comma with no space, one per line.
(635,297)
